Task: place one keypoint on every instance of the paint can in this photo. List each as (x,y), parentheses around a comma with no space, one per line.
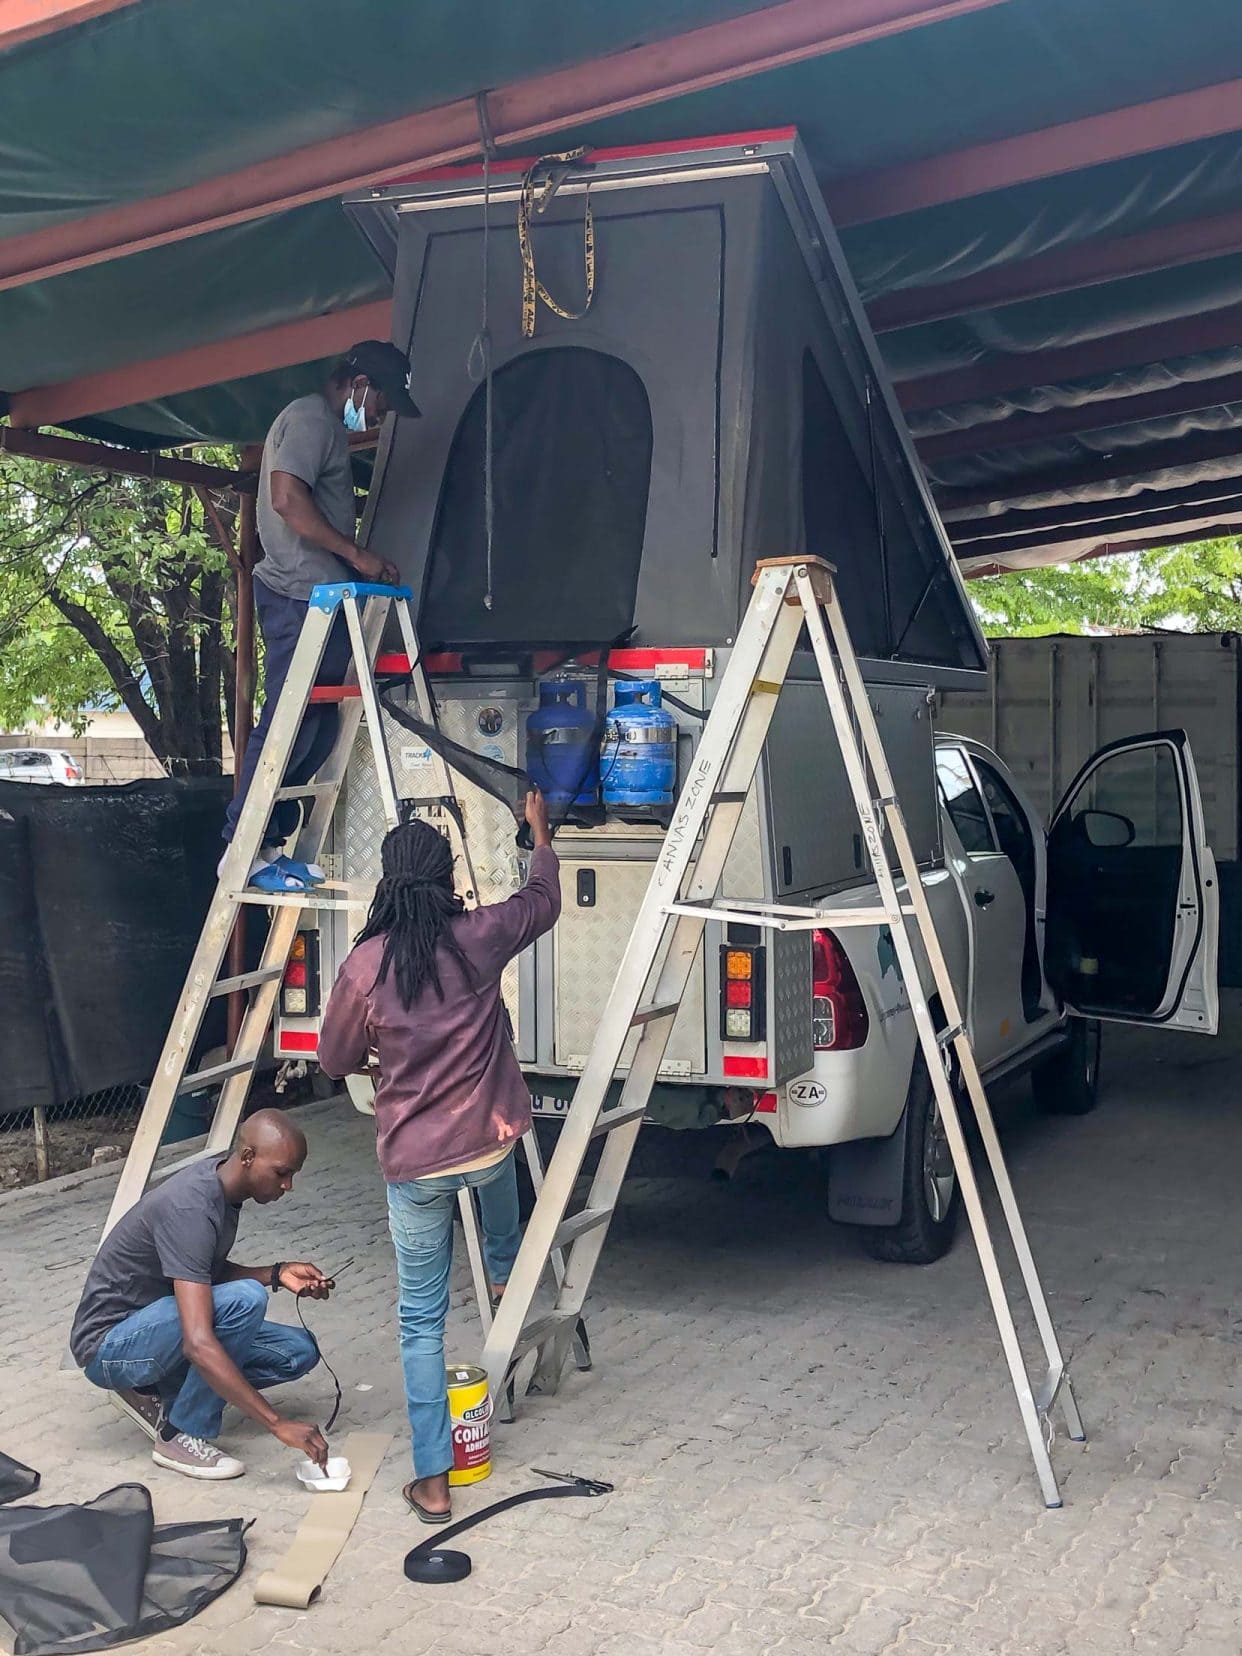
(470,1416)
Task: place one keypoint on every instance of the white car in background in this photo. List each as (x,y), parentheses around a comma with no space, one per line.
(42,765)
(1108,915)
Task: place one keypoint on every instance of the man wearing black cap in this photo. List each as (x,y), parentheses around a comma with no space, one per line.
(306,526)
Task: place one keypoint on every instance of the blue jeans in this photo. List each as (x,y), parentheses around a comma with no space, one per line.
(280,621)
(420,1219)
(145,1351)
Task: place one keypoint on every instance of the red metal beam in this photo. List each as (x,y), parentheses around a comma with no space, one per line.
(771,38)
(72,451)
(1138,129)
(1021,429)
(283,346)
(25,20)
(1061,270)
(1111,548)
(997,376)
(1090,514)
(1104,468)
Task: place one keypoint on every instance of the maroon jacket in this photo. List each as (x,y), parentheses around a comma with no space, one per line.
(450,1087)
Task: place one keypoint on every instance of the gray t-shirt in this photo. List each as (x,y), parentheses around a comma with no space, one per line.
(308,441)
(180,1231)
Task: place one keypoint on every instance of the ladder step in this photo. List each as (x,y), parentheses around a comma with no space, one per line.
(535,1333)
(588,1220)
(217,1072)
(617,1118)
(299,899)
(654,1012)
(947,1036)
(247,980)
(778,917)
(1049,1388)
(305,790)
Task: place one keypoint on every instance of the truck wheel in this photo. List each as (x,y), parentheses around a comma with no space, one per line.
(1068,1083)
(930,1198)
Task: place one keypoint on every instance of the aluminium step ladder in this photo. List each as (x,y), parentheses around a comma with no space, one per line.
(526,1348)
(366,608)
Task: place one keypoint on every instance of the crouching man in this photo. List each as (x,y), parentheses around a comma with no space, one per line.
(175,1331)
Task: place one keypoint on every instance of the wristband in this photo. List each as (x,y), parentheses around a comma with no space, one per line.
(275,1282)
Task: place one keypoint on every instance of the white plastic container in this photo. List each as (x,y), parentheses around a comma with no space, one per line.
(331,1481)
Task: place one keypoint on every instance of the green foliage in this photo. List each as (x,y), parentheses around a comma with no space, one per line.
(1192,588)
(115,587)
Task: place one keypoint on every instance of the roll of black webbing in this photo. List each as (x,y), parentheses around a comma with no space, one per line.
(431,1562)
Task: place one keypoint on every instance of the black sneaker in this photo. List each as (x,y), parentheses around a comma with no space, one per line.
(145,1411)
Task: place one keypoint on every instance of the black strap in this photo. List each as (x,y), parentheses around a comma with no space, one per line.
(336,1407)
(431,1562)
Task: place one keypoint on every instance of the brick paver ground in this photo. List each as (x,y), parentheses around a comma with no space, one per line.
(809,1450)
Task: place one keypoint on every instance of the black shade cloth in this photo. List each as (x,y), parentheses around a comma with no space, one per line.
(16,1480)
(103,892)
(77,1578)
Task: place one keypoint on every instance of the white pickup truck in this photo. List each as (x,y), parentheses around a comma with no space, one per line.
(1111,914)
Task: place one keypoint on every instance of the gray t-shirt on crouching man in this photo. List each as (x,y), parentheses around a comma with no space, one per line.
(182,1231)
(309,442)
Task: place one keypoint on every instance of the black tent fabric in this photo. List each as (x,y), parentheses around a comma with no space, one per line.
(90,1577)
(16,1480)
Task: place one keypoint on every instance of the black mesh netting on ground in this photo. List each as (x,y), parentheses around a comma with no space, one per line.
(91,1576)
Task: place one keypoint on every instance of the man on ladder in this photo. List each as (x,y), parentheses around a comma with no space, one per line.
(306,518)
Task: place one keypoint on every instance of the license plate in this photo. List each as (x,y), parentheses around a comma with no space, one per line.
(549,1106)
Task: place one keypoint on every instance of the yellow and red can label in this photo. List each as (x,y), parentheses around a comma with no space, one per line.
(470,1416)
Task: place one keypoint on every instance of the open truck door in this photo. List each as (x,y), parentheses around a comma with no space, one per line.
(1133,904)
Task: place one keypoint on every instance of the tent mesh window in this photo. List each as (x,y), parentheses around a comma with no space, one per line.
(568,535)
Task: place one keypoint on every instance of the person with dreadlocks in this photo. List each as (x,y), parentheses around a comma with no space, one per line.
(418,1001)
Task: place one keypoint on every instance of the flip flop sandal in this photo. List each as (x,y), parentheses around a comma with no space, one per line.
(422,1512)
(276,880)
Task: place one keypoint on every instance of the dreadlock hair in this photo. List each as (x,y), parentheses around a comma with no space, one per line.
(413,904)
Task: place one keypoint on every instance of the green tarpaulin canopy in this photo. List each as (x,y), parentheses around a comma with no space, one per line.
(1040,200)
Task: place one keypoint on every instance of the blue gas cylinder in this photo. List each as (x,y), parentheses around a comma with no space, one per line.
(640,748)
(562,752)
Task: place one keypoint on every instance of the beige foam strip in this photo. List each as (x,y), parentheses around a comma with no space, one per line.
(322,1534)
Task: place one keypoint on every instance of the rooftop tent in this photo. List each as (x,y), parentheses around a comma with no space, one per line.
(720,401)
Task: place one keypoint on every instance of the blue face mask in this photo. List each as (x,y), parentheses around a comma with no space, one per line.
(355,417)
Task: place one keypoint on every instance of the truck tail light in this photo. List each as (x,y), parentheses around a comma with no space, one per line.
(838,1011)
(299,987)
(72,773)
(742,999)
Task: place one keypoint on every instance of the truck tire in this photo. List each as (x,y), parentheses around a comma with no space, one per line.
(1068,1083)
(930,1198)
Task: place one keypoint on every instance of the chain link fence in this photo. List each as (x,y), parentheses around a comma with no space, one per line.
(64,1138)
(85,1132)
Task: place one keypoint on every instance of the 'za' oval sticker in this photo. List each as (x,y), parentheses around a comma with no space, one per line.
(807,1092)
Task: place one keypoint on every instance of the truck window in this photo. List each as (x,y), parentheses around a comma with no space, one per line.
(962,801)
(572,466)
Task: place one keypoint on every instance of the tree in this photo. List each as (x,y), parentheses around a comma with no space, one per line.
(1192,588)
(116,587)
